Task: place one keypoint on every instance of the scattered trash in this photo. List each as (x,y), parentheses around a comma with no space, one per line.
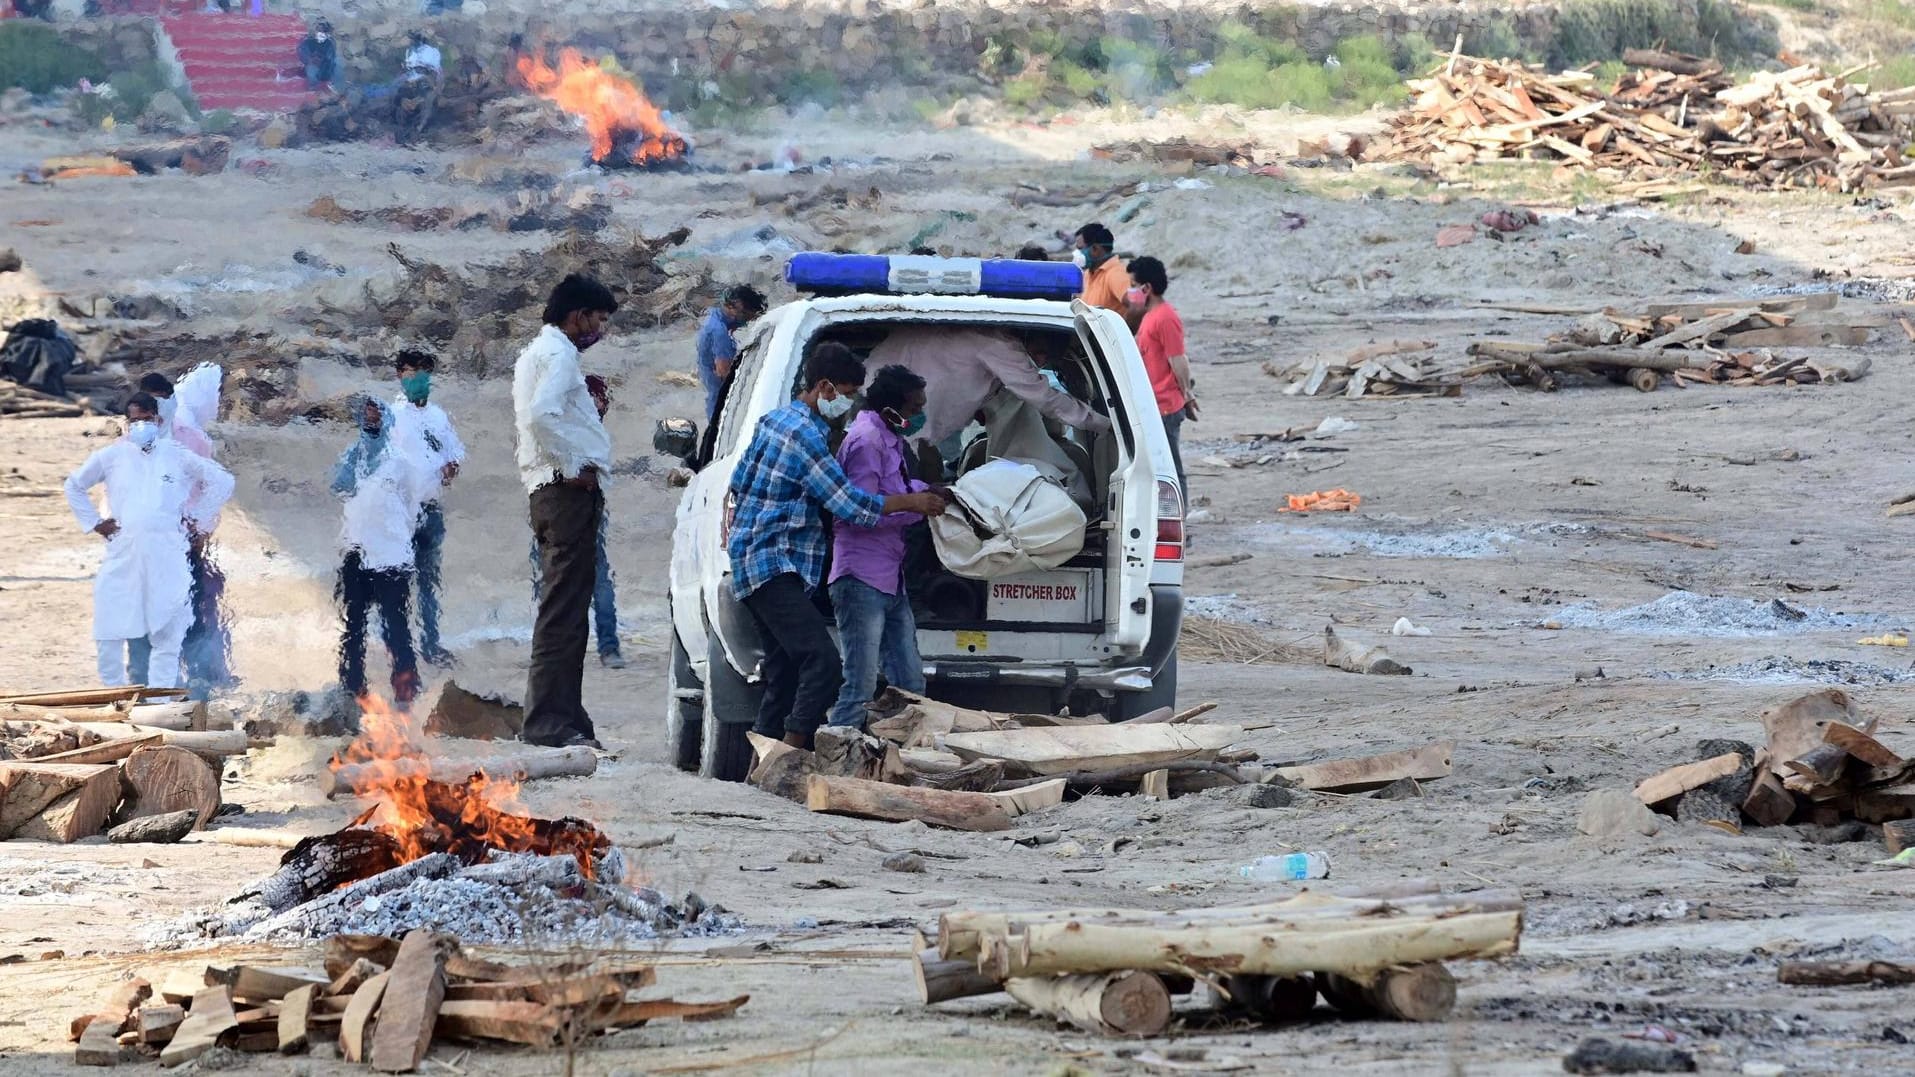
(1287,867)
(1508,220)
(1322,501)
(1455,235)
(1403,627)
(1887,639)
(1193,184)
(1334,425)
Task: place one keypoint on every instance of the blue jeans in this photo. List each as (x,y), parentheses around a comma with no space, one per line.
(604,598)
(875,630)
(428,543)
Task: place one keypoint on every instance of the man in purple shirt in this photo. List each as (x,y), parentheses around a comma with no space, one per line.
(875,627)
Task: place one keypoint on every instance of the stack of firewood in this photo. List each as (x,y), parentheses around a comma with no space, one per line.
(1797,128)
(71,763)
(1392,368)
(384,1001)
(1113,971)
(965,769)
(1723,342)
(1821,764)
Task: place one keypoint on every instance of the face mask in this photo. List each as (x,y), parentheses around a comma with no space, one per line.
(1080,259)
(322,38)
(143,433)
(168,406)
(908,427)
(837,407)
(417,386)
(588,340)
(1137,297)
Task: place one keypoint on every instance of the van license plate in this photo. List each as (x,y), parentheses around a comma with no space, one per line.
(1040,596)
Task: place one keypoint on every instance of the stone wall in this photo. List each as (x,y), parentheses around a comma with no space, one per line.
(121,43)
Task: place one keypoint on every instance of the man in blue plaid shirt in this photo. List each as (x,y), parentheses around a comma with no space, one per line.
(779,544)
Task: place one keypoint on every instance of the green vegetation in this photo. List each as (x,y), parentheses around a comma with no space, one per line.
(130,92)
(1896,13)
(217,122)
(1594,30)
(33,56)
(1264,72)
(1497,40)
(1793,5)
(1892,74)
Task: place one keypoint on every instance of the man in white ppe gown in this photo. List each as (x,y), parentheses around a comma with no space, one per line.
(159,496)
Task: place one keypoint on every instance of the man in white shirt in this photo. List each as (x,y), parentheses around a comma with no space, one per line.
(563,454)
(425,427)
(384,484)
(422,57)
(161,499)
(188,409)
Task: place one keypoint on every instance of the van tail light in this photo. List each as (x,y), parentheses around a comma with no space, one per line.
(1170,522)
(731,509)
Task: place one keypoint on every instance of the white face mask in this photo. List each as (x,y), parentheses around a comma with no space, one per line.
(1080,259)
(143,433)
(837,407)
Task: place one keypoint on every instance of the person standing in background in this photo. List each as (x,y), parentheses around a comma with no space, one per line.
(187,409)
(563,453)
(717,350)
(604,595)
(1160,339)
(161,499)
(384,484)
(1094,250)
(424,427)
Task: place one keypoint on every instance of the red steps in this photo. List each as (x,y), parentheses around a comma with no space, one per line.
(241,62)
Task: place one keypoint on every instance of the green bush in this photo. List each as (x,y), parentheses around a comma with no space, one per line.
(1415,54)
(1026,92)
(1589,30)
(1896,13)
(1367,73)
(1133,71)
(1892,74)
(33,57)
(819,86)
(1260,72)
(218,122)
(1496,40)
(1076,80)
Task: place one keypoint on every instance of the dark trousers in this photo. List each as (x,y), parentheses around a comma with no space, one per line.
(802,669)
(428,542)
(604,594)
(565,526)
(361,588)
(208,642)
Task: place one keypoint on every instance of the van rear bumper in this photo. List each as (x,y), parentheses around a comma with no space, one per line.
(1166,620)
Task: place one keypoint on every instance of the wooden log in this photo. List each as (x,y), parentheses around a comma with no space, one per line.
(261,983)
(211,744)
(779,768)
(941,980)
(353,778)
(1769,803)
(208,1019)
(1625,358)
(355,974)
(57,802)
(106,751)
(1799,336)
(1837,973)
(1427,763)
(1123,1003)
(1030,798)
(1860,745)
(344,952)
(93,696)
(295,1020)
(528,1023)
(1676,62)
(1273,1000)
(634,1012)
(355,1028)
(1316,934)
(1897,835)
(1425,992)
(158,780)
(179,717)
(99,1033)
(1643,381)
(411,1007)
(1676,781)
(1820,766)
(157,1022)
(1054,751)
(900,803)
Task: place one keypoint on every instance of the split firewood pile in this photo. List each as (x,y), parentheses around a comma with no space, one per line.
(1821,763)
(1726,342)
(384,1001)
(974,770)
(1391,368)
(73,764)
(1113,971)
(1803,127)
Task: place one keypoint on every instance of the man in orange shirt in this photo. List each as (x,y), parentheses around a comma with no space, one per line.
(1105,279)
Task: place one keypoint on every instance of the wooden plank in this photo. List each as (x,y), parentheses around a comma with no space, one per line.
(209,1018)
(900,803)
(1053,751)
(295,1020)
(359,1014)
(1429,762)
(1768,803)
(1678,780)
(158,1022)
(1700,330)
(1703,308)
(1860,745)
(527,1023)
(1156,785)
(411,1006)
(639,1011)
(1031,798)
(262,983)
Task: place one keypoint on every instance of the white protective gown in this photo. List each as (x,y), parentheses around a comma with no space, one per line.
(145,583)
(194,408)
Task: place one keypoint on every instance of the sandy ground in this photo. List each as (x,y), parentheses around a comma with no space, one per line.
(1488,518)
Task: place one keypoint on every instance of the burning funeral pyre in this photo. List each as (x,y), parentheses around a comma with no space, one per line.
(626,129)
(461,857)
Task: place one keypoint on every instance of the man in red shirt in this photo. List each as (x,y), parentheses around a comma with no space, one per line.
(1160,338)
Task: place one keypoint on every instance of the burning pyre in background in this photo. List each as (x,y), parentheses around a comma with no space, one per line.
(624,126)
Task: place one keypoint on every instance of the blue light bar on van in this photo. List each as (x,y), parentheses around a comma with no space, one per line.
(877,274)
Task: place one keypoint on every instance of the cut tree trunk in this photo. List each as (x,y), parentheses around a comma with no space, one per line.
(157,780)
(154,829)
(1425,992)
(779,768)
(59,802)
(411,1007)
(1123,1003)
(1836,973)
(940,980)
(901,803)
(353,778)
(1427,763)
(1275,1000)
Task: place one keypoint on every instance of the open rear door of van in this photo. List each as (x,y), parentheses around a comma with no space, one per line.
(1132,506)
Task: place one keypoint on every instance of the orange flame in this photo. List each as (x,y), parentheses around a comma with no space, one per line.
(466,818)
(613,109)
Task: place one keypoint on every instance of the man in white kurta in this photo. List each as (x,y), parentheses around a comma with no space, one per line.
(158,496)
(427,429)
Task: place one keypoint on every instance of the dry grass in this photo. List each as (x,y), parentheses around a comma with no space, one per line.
(1211,639)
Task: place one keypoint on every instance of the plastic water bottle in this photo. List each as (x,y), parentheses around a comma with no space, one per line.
(1288,867)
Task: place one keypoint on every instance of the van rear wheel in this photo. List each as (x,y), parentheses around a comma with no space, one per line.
(1161,693)
(724,753)
(684,711)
